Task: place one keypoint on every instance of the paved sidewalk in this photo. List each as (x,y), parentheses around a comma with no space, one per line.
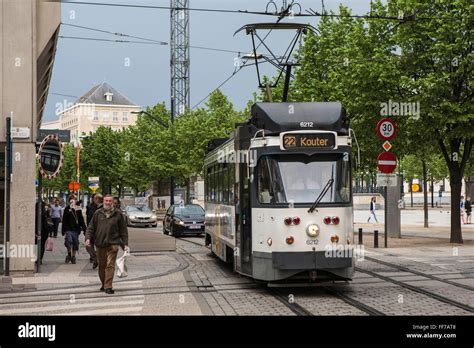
(55,272)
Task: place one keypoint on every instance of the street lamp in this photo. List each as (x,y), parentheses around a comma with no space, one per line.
(160,122)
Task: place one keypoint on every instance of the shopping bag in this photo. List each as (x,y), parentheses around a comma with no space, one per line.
(49,244)
(122,271)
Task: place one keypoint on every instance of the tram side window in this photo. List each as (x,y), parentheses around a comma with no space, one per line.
(231,179)
(211,184)
(225,184)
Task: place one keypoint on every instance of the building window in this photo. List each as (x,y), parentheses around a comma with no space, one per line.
(108,96)
(115,116)
(125,117)
(105,117)
(96,115)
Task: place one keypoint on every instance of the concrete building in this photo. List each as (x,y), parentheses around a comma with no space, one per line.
(101,106)
(28,39)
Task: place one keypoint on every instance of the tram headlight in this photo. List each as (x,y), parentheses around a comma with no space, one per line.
(335,220)
(290,240)
(288,221)
(334,238)
(312,230)
(269,241)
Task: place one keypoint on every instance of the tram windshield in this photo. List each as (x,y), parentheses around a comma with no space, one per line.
(299,178)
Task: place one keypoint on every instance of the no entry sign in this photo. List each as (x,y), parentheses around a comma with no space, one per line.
(386,162)
(386,129)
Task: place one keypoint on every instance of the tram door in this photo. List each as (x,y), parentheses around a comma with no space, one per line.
(245,222)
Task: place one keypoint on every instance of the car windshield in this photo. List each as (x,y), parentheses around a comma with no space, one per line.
(301,178)
(188,210)
(138,208)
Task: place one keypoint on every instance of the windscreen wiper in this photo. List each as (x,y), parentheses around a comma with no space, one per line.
(321,195)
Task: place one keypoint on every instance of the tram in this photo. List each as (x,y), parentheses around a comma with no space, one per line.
(278,194)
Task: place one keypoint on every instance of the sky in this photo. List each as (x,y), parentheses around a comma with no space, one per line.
(142,72)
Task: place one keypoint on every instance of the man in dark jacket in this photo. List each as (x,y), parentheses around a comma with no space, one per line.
(73,224)
(109,231)
(96,204)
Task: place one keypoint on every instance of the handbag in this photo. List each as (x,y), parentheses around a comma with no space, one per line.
(49,244)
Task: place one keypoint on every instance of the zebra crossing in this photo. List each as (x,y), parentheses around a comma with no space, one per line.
(129,299)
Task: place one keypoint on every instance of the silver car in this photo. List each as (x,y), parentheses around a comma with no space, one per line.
(140,215)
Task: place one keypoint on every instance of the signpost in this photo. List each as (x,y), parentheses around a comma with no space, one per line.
(387,162)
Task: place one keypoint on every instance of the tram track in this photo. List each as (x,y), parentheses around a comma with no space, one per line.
(429,276)
(419,290)
(300,310)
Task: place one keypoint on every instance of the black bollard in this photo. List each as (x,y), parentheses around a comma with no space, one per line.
(360,236)
(376,239)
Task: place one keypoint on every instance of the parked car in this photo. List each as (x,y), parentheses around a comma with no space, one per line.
(184,219)
(140,215)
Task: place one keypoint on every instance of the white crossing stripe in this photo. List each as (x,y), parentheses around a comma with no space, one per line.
(465,261)
(107,311)
(70,307)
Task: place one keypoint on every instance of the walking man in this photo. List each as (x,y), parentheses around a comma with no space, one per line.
(468,207)
(461,208)
(109,231)
(73,224)
(56,216)
(372,210)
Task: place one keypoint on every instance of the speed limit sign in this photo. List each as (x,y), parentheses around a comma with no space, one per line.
(386,129)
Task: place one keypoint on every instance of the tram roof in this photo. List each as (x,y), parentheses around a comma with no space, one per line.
(280,117)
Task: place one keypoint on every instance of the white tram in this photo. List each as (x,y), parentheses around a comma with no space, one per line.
(278,194)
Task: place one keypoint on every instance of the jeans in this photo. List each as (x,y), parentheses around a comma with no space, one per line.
(56,222)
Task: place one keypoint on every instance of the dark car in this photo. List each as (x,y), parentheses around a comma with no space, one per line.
(184,219)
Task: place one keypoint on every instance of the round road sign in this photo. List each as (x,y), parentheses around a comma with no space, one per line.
(386,129)
(386,162)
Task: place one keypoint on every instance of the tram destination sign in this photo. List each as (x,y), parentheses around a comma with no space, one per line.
(308,140)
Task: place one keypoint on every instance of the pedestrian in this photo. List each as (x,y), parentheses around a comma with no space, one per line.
(117,203)
(96,204)
(461,208)
(56,216)
(46,229)
(73,224)
(468,207)
(372,210)
(109,231)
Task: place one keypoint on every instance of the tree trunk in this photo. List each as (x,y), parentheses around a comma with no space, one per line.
(456,184)
(425,193)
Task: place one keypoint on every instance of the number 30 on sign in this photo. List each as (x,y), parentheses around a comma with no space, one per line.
(386,129)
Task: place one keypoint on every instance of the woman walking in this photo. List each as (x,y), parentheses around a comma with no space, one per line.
(73,224)
(372,210)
